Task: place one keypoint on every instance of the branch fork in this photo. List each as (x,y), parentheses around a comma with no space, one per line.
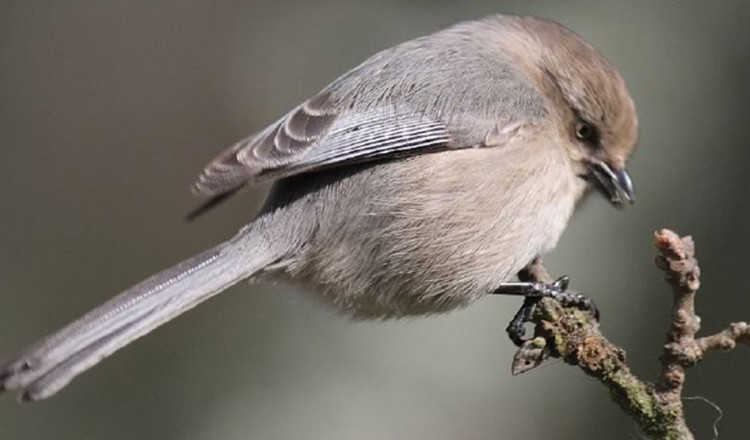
(574,336)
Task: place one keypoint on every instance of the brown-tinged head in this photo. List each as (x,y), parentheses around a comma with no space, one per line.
(588,101)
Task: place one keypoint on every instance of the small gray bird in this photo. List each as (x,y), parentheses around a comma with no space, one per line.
(416,183)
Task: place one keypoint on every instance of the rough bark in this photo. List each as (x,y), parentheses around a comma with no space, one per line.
(574,336)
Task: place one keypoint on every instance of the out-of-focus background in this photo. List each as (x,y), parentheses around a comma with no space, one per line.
(108,110)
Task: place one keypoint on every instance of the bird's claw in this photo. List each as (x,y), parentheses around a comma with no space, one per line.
(534,292)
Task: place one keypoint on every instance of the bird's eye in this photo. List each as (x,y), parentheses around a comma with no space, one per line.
(584,131)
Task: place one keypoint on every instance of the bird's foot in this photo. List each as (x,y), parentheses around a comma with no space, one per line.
(535,291)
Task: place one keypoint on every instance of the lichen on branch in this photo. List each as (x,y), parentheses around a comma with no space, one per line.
(574,336)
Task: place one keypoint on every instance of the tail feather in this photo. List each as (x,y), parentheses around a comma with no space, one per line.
(47,366)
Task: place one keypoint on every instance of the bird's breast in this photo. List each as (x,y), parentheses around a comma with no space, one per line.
(430,233)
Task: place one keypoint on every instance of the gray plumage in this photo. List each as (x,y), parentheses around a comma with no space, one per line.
(472,87)
(414,184)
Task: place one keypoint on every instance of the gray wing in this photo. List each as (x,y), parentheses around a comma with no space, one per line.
(317,135)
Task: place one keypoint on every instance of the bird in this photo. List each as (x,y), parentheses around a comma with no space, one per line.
(421,180)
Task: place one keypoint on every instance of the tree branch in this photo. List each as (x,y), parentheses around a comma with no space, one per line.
(574,336)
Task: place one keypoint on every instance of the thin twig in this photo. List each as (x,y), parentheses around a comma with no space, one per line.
(574,336)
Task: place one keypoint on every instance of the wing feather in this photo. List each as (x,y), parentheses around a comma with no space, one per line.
(315,135)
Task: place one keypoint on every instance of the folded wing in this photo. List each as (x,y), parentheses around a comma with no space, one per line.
(317,135)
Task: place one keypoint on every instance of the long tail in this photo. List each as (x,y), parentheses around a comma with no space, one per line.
(50,364)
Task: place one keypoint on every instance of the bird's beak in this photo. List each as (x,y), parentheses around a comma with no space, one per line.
(614,183)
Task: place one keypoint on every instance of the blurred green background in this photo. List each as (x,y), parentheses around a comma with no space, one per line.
(108,110)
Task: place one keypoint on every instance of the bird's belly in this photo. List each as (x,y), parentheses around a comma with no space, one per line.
(381,274)
(392,242)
